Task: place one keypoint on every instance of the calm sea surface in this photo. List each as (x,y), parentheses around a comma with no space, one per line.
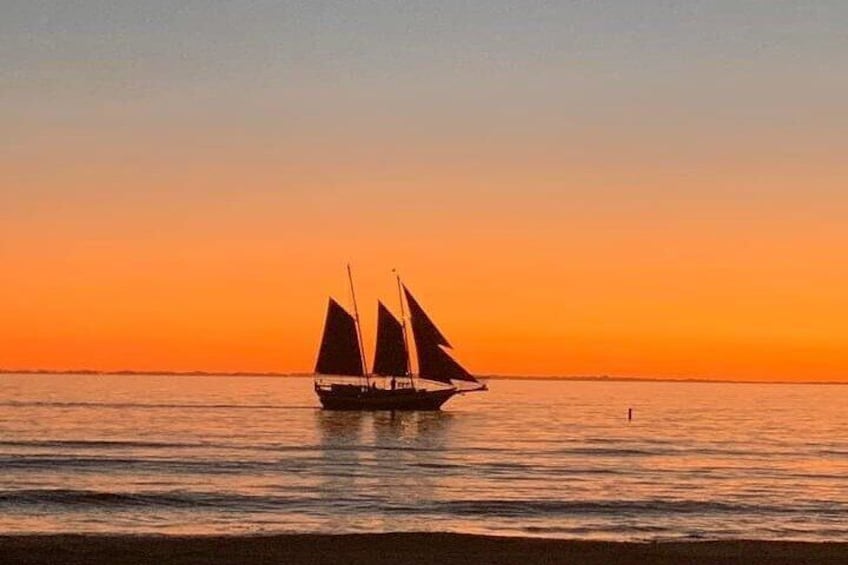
(555,459)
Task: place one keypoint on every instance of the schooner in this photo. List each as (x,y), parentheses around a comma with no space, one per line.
(343,382)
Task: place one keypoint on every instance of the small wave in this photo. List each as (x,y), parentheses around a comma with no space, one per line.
(106,445)
(90,498)
(614,451)
(548,508)
(587,531)
(98,444)
(149,406)
(439,466)
(171,499)
(163,465)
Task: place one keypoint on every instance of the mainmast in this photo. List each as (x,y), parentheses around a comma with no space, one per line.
(358,326)
(403,325)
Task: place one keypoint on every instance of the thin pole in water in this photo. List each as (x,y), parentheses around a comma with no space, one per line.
(629,414)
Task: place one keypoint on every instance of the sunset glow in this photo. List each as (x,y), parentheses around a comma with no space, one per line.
(587,189)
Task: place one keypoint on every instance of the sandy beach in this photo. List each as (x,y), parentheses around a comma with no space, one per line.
(393,548)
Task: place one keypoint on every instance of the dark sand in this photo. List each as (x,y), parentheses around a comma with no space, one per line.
(379,549)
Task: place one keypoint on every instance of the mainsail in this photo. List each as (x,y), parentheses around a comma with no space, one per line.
(434,363)
(340,353)
(391,357)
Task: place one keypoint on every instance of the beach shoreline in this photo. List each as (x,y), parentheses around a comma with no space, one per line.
(378,549)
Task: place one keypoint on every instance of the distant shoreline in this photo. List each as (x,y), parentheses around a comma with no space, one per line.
(259,374)
(394,548)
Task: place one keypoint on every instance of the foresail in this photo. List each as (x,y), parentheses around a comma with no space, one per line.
(390,357)
(437,365)
(434,363)
(422,325)
(339,353)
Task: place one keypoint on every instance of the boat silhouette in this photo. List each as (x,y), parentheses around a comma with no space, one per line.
(342,380)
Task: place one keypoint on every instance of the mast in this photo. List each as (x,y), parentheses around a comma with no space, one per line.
(358,326)
(403,325)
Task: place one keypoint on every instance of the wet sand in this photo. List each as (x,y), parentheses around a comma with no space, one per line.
(394,548)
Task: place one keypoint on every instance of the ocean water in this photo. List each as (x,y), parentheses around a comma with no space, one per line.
(208,455)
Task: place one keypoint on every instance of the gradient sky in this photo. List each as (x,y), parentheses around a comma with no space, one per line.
(649,188)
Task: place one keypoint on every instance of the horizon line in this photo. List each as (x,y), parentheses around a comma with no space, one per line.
(277,374)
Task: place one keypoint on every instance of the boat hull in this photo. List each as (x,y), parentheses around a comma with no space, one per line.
(346,397)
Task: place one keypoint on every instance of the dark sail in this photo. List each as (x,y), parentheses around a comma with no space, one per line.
(339,353)
(391,357)
(433,362)
(422,325)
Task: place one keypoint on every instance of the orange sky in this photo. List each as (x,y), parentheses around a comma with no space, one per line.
(567,193)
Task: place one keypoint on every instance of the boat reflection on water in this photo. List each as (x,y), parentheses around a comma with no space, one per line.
(389,461)
(419,431)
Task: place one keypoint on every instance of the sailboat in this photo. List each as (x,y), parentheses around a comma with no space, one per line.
(342,380)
